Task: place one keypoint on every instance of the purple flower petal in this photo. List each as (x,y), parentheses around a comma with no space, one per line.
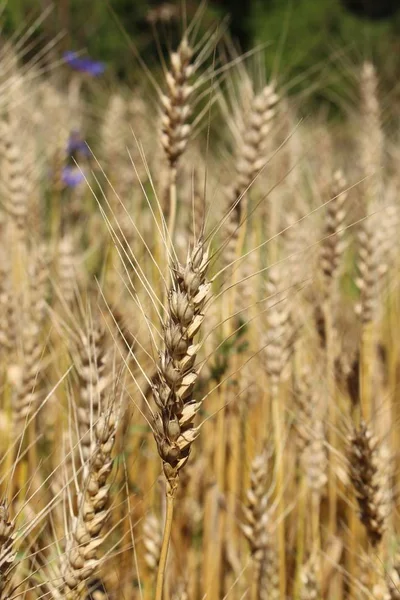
(77,144)
(84,64)
(72,176)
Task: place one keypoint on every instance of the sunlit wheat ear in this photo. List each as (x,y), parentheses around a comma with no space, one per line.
(333,244)
(85,533)
(364,474)
(174,428)
(372,141)
(7,550)
(152,539)
(176,103)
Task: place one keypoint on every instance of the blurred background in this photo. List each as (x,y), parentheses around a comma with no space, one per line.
(314,39)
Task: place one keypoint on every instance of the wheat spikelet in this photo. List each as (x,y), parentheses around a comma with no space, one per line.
(174,430)
(176,107)
(364,474)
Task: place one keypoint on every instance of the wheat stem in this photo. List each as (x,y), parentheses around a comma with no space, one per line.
(170,497)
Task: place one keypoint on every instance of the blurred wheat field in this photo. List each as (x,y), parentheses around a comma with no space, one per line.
(199,309)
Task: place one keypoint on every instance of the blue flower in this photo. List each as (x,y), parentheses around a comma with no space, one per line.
(76,144)
(72,176)
(84,64)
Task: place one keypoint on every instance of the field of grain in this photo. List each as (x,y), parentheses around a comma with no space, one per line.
(199,317)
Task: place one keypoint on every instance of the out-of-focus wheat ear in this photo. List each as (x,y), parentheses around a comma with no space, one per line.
(250,159)
(66,268)
(181,590)
(278,342)
(278,346)
(7,549)
(92,364)
(113,136)
(364,465)
(85,534)
(269,577)
(314,459)
(393,578)
(256,525)
(152,540)
(39,283)
(27,391)
(305,400)
(176,111)
(372,140)
(25,377)
(381,591)
(15,181)
(7,311)
(176,103)
(370,269)
(310,580)
(333,245)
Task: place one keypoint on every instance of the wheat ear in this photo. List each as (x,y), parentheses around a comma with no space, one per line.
(86,532)
(257,519)
(364,474)
(176,112)
(174,428)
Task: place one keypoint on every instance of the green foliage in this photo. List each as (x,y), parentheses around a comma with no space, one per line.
(317,42)
(310,43)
